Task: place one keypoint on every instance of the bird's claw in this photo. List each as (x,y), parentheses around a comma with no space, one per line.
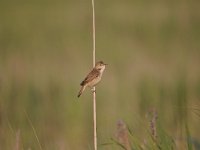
(93,90)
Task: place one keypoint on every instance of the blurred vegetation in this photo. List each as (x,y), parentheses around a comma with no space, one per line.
(153,52)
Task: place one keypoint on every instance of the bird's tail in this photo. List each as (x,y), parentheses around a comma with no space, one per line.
(81,91)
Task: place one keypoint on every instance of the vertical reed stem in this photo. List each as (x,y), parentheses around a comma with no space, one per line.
(94,94)
(93,32)
(95,120)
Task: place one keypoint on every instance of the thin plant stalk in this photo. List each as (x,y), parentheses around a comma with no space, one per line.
(34,131)
(94,94)
(93,32)
(95,120)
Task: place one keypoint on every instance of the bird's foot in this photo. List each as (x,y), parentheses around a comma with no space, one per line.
(93,90)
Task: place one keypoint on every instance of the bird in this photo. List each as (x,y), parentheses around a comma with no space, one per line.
(94,77)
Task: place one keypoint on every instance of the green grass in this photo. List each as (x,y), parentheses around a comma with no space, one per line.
(158,139)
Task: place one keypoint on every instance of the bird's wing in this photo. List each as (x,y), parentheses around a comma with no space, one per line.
(93,74)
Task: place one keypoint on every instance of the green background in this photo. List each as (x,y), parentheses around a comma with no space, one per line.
(153,52)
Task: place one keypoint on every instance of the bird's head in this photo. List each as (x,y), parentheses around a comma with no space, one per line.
(100,65)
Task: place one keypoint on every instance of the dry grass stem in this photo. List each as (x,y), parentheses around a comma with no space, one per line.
(34,131)
(122,135)
(94,93)
(17,142)
(153,124)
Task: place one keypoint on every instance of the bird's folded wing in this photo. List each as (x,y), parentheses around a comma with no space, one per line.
(92,75)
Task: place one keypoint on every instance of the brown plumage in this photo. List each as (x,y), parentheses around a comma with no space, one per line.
(93,77)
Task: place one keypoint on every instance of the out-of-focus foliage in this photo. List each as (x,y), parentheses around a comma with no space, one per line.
(153,52)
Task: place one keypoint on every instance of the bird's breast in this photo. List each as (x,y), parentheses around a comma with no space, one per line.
(94,81)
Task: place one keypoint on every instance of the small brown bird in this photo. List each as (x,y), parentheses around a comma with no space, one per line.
(93,77)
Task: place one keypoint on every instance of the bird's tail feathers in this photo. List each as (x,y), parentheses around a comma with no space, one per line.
(81,91)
